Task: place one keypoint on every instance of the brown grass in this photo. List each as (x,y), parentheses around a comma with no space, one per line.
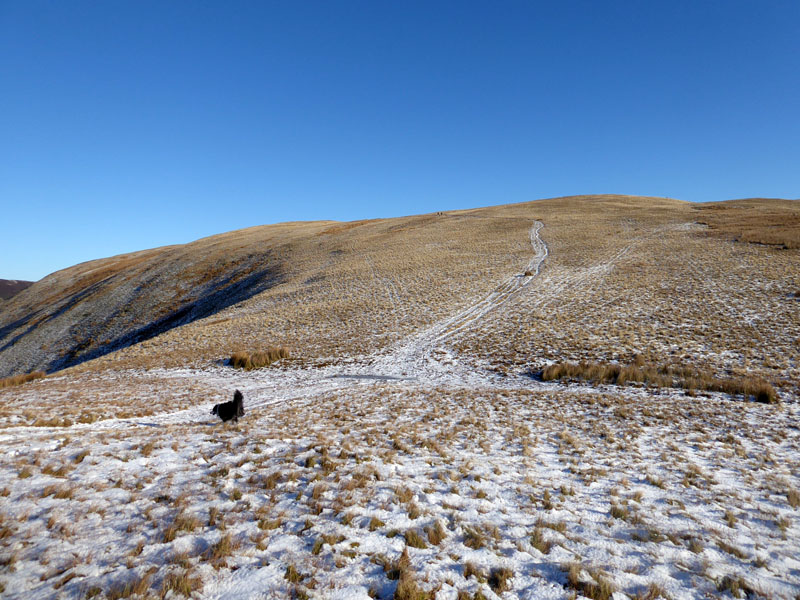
(292,575)
(183,584)
(755,220)
(221,550)
(599,588)
(663,376)
(414,539)
(436,533)
(135,587)
(6,382)
(474,538)
(538,541)
(182,523)
(5,530)
(62,492)
(736,585)
(407,586)
(256,360)
(499,578)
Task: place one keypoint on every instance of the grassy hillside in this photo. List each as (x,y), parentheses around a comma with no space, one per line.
(562,398)
(625,276)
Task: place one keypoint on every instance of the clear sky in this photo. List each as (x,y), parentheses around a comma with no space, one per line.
(128,125)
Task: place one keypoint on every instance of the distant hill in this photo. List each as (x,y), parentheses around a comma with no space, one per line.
(10,287)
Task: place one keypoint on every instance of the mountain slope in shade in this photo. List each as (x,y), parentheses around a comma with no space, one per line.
(10,287)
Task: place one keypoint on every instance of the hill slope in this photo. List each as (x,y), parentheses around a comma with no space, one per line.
(636,275)
(412,446)
(10,287)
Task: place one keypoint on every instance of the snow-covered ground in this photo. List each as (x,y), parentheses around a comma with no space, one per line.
(406,472)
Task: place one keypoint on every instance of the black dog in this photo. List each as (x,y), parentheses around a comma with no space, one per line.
(230,410)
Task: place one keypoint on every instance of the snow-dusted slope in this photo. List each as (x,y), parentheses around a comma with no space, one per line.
(413,469)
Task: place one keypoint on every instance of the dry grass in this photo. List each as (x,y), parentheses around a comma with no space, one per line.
(138,586)
(499,579)
(736,585)
(15,380)
(357,432)
(414,539)
(609,284)
(88,399)
(257,360)
(756,220)
(218,552)
(61,492)
(538,541)
(407,586)
(436,533)
(589,583)
(664,376)
(183,523)
(182,583)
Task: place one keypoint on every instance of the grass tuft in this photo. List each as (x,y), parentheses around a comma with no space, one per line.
(14,380)
(183,584)
(414,539)
(221,550)
(256,360)
(498,579)
(593,585)
(664,376)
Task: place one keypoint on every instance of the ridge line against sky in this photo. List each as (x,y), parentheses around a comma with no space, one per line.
(131,125)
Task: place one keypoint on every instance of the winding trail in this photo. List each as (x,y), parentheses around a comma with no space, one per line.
(414,358)
(420,361)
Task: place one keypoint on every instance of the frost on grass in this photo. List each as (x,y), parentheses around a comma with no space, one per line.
(406,451)
(402,490)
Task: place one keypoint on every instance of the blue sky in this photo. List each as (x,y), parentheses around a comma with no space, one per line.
(128,125)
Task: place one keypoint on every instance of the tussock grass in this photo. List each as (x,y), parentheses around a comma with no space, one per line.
(256,360)
(407,586)
(5,530)
(593,585)
(182,523)
(182,584)
(664,376)
(436,533)
(754,220)
(499,578)
(135,587)
(414,539)
(538,541)
(221,550)
(736,585)
(6,382)
(61,492)
(474,538)
(292,575)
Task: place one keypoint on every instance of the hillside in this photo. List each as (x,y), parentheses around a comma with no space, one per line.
(328,288)
(10,287)
(427,436)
